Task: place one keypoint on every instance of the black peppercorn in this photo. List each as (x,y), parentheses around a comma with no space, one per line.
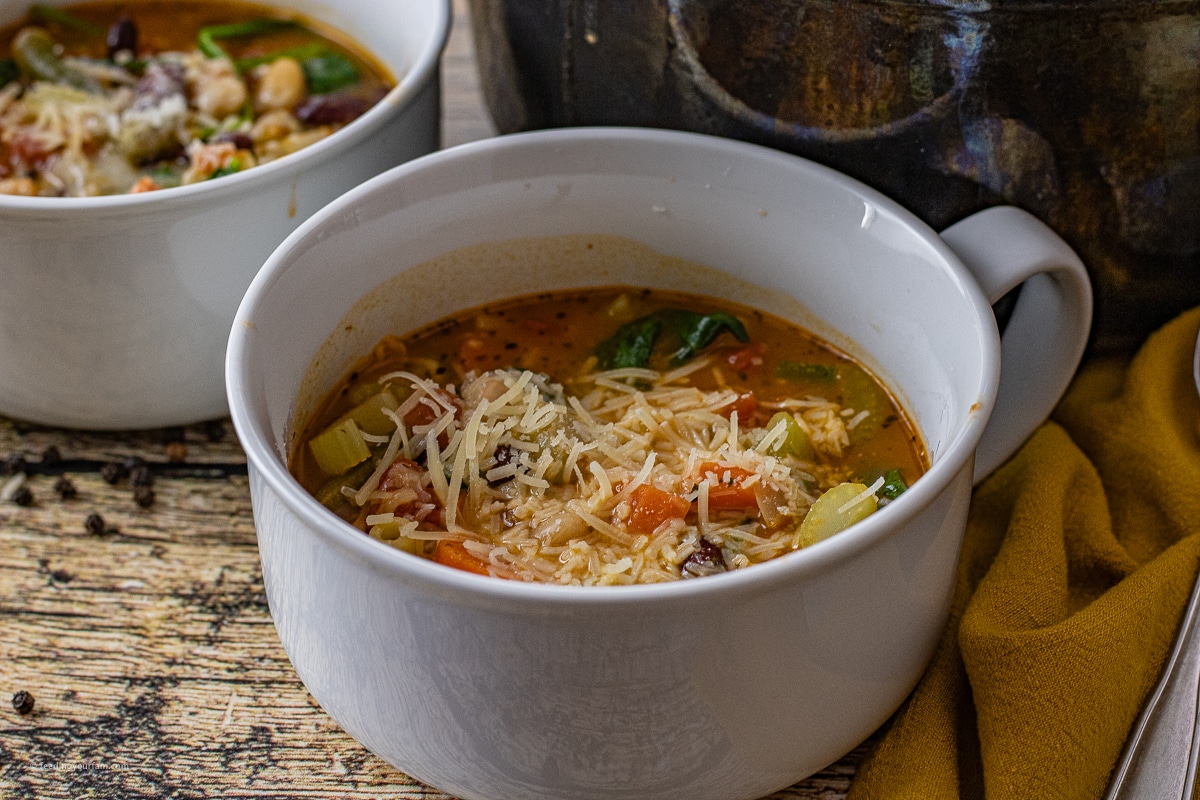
(51,456)
(113,472)
(141,475)
(14,464)
(214,430)
(143,496)
(65,487)
(23,496)
(94,524)
(23,702)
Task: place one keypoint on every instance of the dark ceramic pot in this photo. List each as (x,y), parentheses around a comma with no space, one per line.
(1085,114)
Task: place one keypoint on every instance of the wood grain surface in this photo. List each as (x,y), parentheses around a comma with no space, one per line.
(144,636)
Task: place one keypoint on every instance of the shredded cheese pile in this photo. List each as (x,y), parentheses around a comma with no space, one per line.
(538,483)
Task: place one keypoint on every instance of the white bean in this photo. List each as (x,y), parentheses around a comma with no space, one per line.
(280,85)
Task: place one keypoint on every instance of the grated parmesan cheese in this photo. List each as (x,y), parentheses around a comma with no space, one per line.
(564,490)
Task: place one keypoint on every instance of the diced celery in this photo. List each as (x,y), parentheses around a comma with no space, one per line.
(339,447)
(368,415)
(831,514)
(794,442)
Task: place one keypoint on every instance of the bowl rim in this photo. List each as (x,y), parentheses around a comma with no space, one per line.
(264,462)
(424,69)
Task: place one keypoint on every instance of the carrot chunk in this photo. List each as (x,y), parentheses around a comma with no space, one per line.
(651,507)
(454,554)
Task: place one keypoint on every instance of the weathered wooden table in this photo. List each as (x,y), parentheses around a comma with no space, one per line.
(135,615)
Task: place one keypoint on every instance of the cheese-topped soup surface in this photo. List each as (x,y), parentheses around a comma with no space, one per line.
(607,436)
(105,98)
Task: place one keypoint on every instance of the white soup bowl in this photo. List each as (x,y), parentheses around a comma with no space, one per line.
(730,686)
(115,310)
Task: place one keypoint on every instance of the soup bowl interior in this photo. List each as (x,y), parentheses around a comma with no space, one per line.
(734,685)
(141,288)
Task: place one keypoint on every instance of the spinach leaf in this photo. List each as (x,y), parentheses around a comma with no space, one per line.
(328,72)
(300,53)
(630,346)
(633,343)
(697,331)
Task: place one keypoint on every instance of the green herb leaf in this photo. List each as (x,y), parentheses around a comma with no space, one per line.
(630,346)
(9,71)
(329,72)
(893,485)
(801,372)
(44,13)
(234,166)
(207,37)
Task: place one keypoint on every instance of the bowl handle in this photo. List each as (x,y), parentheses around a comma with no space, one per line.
(1043,343)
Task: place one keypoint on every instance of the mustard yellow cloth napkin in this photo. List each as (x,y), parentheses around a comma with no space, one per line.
(1078,561)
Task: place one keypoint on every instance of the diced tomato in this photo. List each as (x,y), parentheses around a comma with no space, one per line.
(423,414)
(29,148)
(472,349)
(746,405)
(403,492)
(454,554)
(651,507)
(747,358)
(727,489)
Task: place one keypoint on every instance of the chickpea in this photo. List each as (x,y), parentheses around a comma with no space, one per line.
(280,85)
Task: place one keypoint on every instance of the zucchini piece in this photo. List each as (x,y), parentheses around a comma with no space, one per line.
(330,493)
(835,511)
(794,442)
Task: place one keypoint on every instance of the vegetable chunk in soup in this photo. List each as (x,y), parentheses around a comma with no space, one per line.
(109,98)
(607,436)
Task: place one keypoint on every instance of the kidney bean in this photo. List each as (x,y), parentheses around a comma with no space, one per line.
(706,559)
(238,139)
(334,108)
(122,37)
(330,109)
